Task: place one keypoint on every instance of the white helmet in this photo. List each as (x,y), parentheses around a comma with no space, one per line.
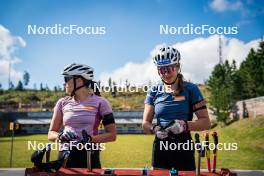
(79,70)
(166,55)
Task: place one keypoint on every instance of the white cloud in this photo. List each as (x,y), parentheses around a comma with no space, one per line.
(224,5)
(135,73)
(199,56)
(8,46)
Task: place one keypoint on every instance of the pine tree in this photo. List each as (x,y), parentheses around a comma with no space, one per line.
(251,73)
(260,69)
(41,87)
(19,86)
(222,90)
(11,86)
(26,78)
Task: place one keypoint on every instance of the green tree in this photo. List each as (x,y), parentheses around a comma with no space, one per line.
(246,72)
(110,82)
(47,87)
(1,90)
(19,85)
(41,87)
(11,85)
(221,86)
(228,84)
(251,73)
(114,89)
(244,84)
(26,78)
(127,84)
(260,69)
(59,88)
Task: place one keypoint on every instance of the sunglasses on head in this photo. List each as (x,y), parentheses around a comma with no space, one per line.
(167,69)
(67,78)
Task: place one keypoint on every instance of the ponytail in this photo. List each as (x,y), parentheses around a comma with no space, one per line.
(93,85)
(179,84)
(95,88)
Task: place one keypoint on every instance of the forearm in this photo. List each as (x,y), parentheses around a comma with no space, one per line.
(106,137)
(199,125)
(148,118)
(147,126)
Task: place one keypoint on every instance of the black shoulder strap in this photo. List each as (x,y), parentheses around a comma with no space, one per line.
(98,112)
(190,104)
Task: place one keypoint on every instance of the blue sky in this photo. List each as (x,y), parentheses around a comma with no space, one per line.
(132,31)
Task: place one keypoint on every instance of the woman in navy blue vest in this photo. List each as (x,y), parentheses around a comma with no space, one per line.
(173,102)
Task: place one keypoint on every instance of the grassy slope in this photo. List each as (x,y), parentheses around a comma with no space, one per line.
(249,134)
(135,150)
(123,101)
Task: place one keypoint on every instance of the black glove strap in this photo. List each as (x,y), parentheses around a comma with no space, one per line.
(59,136)
(152,128)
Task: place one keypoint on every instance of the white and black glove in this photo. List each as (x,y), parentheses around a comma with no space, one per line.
(177,127)
(67,136)
(159,132)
